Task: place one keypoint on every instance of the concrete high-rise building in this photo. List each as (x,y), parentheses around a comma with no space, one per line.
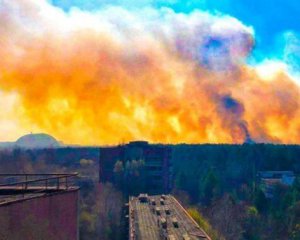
(156,158)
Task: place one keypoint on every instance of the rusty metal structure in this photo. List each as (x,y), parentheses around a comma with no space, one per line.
(161,217)
(24,183)
(38,206)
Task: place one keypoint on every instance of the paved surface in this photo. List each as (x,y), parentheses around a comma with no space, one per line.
(154,219)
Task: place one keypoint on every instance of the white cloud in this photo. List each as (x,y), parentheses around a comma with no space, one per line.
(268,69)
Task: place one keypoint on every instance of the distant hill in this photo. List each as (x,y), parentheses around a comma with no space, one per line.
(40,140)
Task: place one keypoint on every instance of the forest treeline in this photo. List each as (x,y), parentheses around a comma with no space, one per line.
(233,165)
(221,181)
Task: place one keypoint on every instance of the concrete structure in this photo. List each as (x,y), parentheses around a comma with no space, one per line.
(269,179)
(35,211)
(156,158)
(159,217)
(39,140)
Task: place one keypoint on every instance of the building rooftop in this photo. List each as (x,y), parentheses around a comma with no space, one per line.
(161,217)
(38,140)
(275,174)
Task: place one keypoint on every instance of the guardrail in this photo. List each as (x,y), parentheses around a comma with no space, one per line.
(50,180)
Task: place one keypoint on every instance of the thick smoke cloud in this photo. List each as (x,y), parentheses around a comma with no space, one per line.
(119,75)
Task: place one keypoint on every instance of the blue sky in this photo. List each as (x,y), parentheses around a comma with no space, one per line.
(270,18)
(276,22)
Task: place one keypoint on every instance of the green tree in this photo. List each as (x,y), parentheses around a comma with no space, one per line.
(181,181)
(209,187)
(203,223)
(251,224)
(261,202)
(119,174)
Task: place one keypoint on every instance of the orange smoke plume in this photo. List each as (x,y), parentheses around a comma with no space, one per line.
(119,75)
